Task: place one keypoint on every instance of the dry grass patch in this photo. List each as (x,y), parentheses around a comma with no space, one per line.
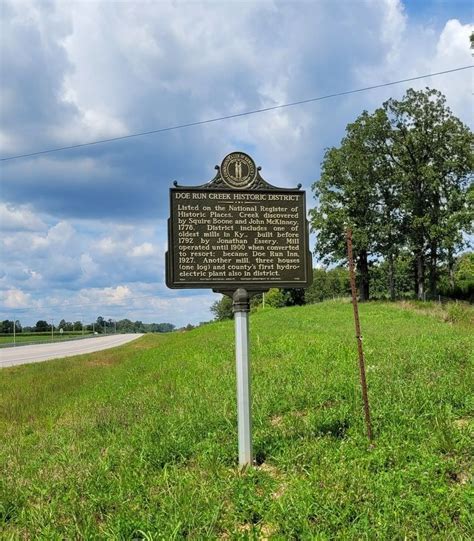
(450,312)
(102,361)
(138,344)
(462,424)
(277,420)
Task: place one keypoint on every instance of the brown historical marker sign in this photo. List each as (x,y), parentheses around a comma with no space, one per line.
(237,231)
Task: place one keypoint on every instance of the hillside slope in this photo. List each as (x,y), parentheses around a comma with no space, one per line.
(140,441)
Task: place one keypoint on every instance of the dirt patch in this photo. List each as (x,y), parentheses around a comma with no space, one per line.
(279,420)
(462,477)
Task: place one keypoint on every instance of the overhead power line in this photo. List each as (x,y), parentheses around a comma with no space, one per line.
(236,115)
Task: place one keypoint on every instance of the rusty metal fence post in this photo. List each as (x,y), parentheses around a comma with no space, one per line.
(363,381)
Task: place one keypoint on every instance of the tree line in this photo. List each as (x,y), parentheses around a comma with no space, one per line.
(334,284)
(100,326)
(401,179)
(327,284)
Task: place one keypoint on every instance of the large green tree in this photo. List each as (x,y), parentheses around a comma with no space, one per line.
(430,151)
(348,195)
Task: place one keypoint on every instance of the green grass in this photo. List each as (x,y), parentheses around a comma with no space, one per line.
(23,338)
(140,441)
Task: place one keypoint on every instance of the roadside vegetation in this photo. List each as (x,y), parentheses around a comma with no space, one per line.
(140,441)
(34,338)
(333,284)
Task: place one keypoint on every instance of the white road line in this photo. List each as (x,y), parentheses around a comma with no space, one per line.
(44,352)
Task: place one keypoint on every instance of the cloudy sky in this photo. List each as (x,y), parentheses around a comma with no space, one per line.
(84,230)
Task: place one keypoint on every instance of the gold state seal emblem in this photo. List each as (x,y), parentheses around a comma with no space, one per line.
(238,170)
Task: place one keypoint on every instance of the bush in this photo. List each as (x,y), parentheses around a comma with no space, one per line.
(222,309)
(459,313)
(275,298)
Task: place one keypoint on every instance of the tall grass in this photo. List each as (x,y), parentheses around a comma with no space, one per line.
(140,441)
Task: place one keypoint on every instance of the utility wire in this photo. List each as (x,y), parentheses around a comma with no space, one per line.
(236,115)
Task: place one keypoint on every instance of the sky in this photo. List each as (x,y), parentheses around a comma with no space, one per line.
(84,231)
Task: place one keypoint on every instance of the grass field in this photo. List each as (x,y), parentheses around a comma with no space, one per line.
(21,338)
(140,441)
(38,337)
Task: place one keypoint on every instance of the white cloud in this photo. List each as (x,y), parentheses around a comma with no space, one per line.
(418,50)
(114,295)
(144,249)
(56,237)
(452,43)
(107,245)
(15,298)
(452,50)
(61,233)
(19,218)
(88,266)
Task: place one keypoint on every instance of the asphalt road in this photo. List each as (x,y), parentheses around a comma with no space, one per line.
(43,352)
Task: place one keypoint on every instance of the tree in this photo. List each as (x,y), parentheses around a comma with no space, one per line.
(99,325)
(77,326)
(348,195)
(328,284)
(165,327)
(138,326)
(399,271)
(42,326)
(294,296)
(275,298)
(458,281)
(65,325)
(389,233)
(124,325)
(465,268)
(222,309)
(6,326)
(430,152)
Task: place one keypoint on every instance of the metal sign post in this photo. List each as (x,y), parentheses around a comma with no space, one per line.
(241,308)
(238,235)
